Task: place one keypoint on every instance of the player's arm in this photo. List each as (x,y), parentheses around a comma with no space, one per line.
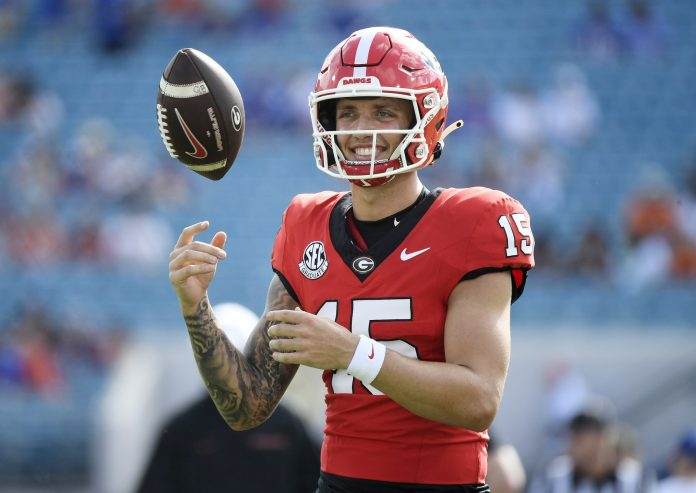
(466,390)
(245,386)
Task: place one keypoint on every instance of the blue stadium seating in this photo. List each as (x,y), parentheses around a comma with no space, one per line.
(647,116)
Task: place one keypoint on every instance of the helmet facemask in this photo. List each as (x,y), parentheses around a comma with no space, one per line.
(410,154)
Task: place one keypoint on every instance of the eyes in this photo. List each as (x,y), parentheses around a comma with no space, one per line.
(381,114)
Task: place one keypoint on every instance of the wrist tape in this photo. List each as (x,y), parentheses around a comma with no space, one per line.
(367,360)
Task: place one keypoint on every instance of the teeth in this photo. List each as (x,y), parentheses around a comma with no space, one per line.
(363,151)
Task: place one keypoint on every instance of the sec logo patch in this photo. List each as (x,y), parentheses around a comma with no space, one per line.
(314,262)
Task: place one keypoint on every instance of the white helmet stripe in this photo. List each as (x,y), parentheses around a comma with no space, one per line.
(362,53)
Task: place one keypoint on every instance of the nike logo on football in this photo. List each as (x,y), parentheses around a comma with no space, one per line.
(408,256)
(372,354)
(199,151)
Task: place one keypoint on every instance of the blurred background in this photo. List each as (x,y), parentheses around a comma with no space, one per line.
(583,110)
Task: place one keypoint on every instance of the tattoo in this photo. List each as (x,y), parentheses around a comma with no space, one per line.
(246,387)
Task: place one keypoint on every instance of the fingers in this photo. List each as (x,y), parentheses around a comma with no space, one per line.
(190,256)
(284,330)
(201,247)
(285,345)
(290,316)
(179,275)
(189,232)
(288,358)
(219,239)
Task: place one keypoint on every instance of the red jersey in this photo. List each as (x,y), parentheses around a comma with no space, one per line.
(396,292)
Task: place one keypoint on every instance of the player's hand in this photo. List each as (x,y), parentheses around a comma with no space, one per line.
(302,338)
(192,265)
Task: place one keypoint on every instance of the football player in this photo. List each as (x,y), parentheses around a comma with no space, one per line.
(401,294)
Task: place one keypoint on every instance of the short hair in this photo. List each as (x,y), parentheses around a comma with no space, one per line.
(591,418)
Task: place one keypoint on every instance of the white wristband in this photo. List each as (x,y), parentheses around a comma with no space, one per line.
(367,360)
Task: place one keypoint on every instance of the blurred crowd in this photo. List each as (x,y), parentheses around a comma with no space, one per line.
(72,198)
(601,454)
(47,357)
(640,33)
(74,194)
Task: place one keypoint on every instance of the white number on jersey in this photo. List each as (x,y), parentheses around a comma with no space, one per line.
(524,230)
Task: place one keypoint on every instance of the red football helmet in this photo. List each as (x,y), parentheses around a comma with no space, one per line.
(380,62)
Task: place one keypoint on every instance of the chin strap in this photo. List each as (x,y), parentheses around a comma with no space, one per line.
(441,143)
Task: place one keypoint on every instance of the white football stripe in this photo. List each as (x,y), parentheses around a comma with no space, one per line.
(362,54)
(207,167)
(181,91)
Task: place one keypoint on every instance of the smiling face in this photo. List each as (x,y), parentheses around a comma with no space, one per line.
(354,114)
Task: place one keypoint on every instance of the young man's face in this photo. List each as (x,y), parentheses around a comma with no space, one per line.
(372,114)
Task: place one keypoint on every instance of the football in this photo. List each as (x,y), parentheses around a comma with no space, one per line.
(200,113)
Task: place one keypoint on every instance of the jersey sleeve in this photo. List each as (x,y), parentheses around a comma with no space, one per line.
(502,237)
(278,255)
(498,238)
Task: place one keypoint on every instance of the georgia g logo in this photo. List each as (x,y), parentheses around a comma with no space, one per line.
(314,262)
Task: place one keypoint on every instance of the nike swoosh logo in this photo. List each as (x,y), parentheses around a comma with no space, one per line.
(408,256)
(396,223)
(372,354)
(199,151)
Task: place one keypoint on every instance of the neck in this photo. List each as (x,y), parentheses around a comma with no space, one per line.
(375,203)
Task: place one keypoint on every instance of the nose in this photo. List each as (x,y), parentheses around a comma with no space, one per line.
(364,122)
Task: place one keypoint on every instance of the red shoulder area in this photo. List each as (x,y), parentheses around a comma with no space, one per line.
(310,205)
(472,202)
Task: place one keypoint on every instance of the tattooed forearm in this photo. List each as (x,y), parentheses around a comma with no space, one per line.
(245,387)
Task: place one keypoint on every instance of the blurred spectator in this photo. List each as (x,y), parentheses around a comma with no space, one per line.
(16,93)
(658,247)
(686,203)
(684,264)
(25,103)
(506,473)
(198,452)
(119,23)
(38,354)
(647,34)
(682,467)
(570,109)
(11,16)
(136,236)
(492,169)
(517,115)
(537,179)
(592,462)
(597,35)
(591,256)
(567,393)
(38,239)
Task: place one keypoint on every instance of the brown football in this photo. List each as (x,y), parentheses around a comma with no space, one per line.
(200,113)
